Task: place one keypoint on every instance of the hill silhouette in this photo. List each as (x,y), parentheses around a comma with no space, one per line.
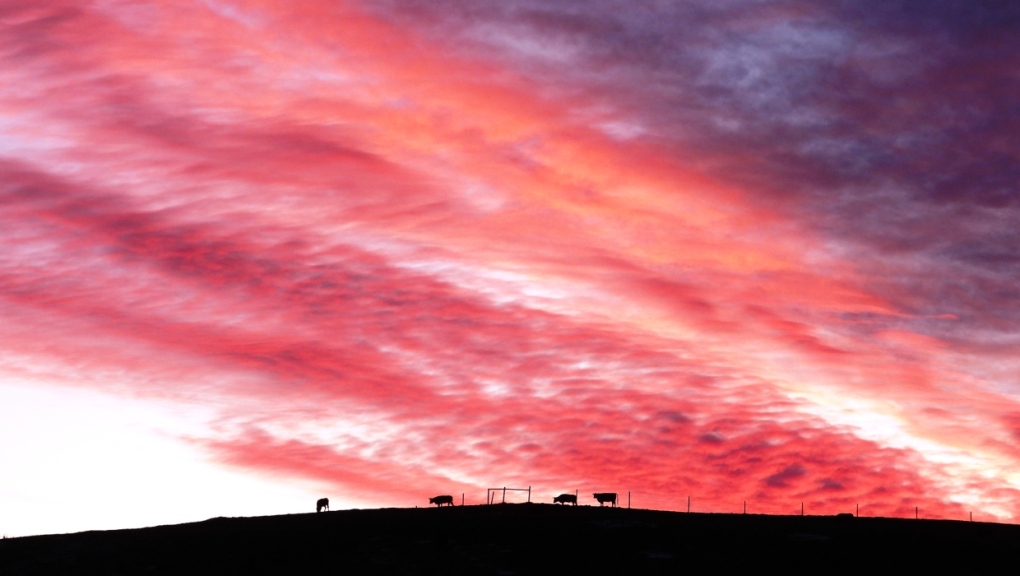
(523,539)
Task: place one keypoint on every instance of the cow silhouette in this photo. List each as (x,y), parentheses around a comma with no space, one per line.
(566,499)
(604,497)
(440,500)
(321,504)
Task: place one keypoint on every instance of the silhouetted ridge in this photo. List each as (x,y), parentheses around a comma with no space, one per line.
(524,539)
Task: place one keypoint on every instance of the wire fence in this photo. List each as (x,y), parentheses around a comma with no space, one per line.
(694,504)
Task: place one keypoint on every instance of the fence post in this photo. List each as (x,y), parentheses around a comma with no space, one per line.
(504,495)
(529,494)
(628,499)
(688,504)
(801,508)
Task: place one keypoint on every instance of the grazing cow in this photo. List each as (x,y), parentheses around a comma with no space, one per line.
(440,500)
(566,499)
(322,504)
(604,497)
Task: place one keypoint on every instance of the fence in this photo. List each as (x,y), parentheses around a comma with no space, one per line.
(693,504)
(491,493)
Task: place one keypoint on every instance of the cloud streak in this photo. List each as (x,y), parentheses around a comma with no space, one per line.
(738,252)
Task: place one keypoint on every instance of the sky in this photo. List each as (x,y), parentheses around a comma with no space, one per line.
(255,253)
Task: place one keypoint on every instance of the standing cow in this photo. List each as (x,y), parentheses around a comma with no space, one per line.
(566,499)
(604,497)
(322,504)
(440,500)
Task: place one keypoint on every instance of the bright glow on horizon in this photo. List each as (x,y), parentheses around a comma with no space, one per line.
(76,460)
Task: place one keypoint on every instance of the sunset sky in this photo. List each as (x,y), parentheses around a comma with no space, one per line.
(255,253)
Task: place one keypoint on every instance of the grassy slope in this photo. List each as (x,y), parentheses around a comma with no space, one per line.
(524,539)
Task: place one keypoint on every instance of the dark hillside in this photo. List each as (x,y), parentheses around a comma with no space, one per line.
(524,539)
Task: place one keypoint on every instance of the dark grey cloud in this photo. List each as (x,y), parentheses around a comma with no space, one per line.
(886,127)
(781,479)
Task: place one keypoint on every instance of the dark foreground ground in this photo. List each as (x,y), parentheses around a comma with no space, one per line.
(525,539)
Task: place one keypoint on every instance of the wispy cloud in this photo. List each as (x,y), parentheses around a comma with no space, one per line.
(737,251)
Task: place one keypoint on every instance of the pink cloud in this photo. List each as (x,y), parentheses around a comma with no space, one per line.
(385,260)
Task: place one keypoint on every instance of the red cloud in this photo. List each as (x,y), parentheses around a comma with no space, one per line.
(391,263)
